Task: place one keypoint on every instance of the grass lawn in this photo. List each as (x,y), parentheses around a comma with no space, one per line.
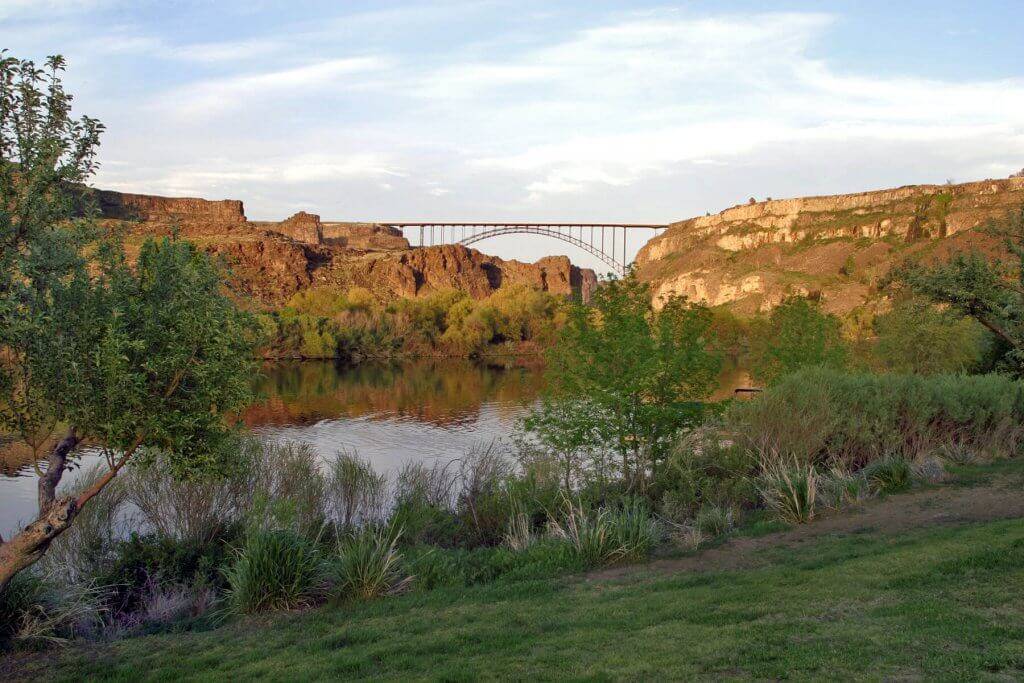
(944,602)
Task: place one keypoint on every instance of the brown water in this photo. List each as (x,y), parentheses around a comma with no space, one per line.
(391,414)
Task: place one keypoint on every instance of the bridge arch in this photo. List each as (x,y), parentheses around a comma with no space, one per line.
(604,241)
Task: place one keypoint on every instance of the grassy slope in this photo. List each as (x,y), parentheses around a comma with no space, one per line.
(941,602)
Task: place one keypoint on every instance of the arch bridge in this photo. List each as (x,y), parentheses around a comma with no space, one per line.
(606,241)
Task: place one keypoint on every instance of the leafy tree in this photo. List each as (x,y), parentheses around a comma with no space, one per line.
(916,337)
(989,290)
(797,334)
(117,356)
(626,378)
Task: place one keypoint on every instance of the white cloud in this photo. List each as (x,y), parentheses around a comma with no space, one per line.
(218,96)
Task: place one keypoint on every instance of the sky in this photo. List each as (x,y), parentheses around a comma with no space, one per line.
(497,110)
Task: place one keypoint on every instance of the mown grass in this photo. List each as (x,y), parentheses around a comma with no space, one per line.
(938,603)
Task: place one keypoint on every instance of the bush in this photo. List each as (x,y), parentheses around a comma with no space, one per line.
(703,470)
(274,570)
(916,337)
(789,489)
(423,500)
(840,487)
(142,560)
(714,520)
(889,474)
(797,334)
(355,492)
(825,416)
(368,564)
(37,611)
(604,536)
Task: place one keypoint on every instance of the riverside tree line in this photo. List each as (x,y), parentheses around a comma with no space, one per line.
(146,360)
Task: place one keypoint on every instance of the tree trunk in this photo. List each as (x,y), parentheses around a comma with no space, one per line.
(27,546)
(55,515)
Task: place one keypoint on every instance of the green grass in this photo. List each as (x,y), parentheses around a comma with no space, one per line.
(940,603)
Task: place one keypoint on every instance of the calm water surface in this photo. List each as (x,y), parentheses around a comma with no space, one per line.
(388,413)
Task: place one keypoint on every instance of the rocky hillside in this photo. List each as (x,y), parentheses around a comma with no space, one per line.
(270,261)
(751,256)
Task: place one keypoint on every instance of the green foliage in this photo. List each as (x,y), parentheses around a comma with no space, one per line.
(797,334)
(144,560)
(274,570)
(714,520)
(329,322)
(703,471)
(433,567)
(990,291)
(889,474)
(607,536)
(789,489)
(826,416)
(368,564)
(626,378)
(915,337)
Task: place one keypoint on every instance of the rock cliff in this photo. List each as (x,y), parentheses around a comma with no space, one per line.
(751,256)
(270,261)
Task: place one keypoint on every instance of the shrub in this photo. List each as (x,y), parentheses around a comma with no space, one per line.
(484,506)
(433,567)
(705,470)
(606,536)
(355,492)
(142,560)
(37,611)
(827,416)
(839,487)
(789,489)
(889,474)
(797,334)
(916,337)
(714,520)
(274,570)
(368,564)
(423,500)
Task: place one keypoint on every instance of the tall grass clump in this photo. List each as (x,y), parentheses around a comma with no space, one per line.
(423,497)
(368,564)
(356,493)
(36,611)
(604,536)
(889,474)
(789,489)
(824,416)
(274,570)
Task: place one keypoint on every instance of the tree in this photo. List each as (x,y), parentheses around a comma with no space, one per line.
(121,357)
(916,337)
(626,378)
(989,290)
(797,334)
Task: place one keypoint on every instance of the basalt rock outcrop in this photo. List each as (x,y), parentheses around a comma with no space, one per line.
(270,261)
(753,255)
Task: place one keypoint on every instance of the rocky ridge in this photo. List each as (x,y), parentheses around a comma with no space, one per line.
(272,260)
(751,256)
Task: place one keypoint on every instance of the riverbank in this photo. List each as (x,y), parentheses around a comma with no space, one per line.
(924,584)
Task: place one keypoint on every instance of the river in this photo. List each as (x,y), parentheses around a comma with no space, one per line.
(390,414)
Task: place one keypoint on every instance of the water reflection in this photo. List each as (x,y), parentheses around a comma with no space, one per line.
(423,410)
(390,414)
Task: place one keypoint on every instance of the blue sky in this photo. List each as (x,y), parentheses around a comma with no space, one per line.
(494,110)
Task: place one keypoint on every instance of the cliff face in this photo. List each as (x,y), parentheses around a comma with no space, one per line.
(751,256)
(271,261)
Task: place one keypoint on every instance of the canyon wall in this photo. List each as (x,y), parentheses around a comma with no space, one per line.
(834,247)
(272,260)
